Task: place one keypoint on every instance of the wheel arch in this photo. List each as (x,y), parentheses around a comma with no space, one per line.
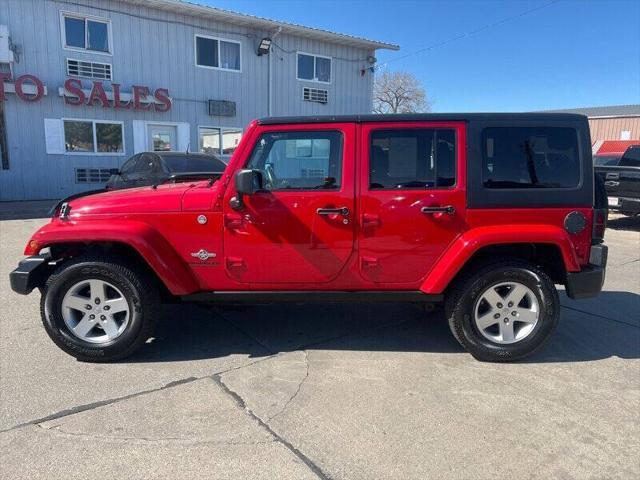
(550,248)
(134,241)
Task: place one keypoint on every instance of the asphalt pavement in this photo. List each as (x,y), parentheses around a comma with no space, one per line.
(337,391)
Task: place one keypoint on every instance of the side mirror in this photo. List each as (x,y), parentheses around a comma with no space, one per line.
(114,171)
(248,182)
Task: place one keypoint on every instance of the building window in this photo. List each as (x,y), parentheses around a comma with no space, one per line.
(86,33)
(217,53)
(219,141)
(314,68)
(80,68)
(412,158)
(92,136)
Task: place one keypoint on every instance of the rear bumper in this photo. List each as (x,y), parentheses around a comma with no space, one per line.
(587,283)
(626,204)
(32,272)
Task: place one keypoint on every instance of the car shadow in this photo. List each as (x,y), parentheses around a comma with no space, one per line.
(191,332)
(630,224)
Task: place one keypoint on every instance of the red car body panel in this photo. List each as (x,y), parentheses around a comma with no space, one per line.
(278,242)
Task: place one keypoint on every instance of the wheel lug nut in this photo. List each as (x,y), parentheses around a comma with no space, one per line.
(511,304)
(496,316)
(506,320)
(514,313)
(499,305)
(106,307)
(103,318)
(88,307)
(97,301)
(91,317)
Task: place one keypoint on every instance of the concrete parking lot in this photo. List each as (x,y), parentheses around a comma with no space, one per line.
(336,391)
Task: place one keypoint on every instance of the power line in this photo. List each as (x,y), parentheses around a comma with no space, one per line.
(472,32)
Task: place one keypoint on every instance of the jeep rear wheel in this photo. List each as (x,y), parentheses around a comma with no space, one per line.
(98,309)
(504,311)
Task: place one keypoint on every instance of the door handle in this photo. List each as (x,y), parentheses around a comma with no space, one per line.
(448,209)
(344,211)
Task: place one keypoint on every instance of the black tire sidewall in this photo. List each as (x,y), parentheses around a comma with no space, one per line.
(59,332)
(483,348)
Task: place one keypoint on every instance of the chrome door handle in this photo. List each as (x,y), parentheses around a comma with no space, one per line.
(448,209)
(344,211)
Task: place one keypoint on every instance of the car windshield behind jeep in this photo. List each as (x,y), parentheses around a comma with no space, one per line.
(530,157)
(187,163)
(605,160)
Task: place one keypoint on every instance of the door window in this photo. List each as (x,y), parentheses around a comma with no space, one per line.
(412,158)
(163,138)
(299,160)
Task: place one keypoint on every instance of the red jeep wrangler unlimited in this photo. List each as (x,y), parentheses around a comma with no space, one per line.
(484,212)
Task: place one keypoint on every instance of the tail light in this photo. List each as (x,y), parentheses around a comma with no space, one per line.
(599,225)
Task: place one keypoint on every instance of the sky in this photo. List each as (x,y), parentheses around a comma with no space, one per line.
(564,54)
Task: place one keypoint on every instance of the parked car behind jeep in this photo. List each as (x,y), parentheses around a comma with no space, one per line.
(622,181)
(484,212)
(153,168)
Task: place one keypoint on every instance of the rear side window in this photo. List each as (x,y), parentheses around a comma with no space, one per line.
(530,157)
(631,157)
(412,158)
(299,160)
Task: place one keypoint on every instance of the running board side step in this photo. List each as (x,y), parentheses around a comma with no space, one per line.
(276,296)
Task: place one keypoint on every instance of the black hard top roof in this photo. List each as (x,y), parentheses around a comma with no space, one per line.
(424,117)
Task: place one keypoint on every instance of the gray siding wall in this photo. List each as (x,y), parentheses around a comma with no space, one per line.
(155,49)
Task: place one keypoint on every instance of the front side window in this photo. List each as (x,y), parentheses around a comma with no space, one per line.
(93,137)
(219,141)
(530,157)
(86,34)
(314,68)
(309,160)
(217,53)
(412,158)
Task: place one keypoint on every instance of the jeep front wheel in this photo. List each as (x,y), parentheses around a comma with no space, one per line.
(504,311)
(97,309)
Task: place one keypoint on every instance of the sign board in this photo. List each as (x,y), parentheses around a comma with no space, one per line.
(222,108)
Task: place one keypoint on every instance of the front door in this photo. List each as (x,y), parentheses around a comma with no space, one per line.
(413,198)
(163,138)
(299,227)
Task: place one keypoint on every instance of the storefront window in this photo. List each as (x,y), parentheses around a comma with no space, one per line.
(78,136)
(109,137)
(210,140)
(219,141)
(93,136)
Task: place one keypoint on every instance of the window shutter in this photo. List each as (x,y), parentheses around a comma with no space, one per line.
(139,136)
(184,139)
(54,135)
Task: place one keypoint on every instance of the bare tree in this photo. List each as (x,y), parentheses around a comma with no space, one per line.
(399,92)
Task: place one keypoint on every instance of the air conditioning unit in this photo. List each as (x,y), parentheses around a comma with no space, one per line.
(6,55)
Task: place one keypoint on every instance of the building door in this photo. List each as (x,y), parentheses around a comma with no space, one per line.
(413,198)
(299,227)
(163,138)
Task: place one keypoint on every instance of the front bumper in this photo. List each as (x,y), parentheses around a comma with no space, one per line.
(32,272)
(587,283)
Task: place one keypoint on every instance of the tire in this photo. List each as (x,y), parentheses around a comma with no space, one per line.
(131,296)
(467,301)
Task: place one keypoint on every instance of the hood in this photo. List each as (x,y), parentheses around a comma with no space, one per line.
(164,198)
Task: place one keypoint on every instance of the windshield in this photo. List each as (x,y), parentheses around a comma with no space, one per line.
(187,163)
(605,161)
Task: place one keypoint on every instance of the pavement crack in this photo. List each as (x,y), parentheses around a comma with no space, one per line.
(217,378)
(295,394)
(101,403)
(601,316)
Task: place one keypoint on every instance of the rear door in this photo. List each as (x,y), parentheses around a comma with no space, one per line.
(299,227)
(413,197)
